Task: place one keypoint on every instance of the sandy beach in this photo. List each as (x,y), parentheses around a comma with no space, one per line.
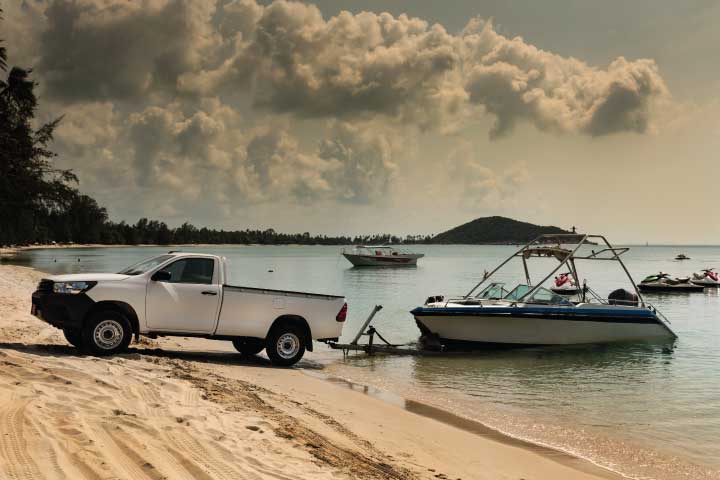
(191,409)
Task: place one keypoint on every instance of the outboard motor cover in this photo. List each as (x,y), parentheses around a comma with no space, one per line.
(622,297)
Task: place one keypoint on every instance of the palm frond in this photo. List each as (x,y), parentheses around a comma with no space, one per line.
(3,51)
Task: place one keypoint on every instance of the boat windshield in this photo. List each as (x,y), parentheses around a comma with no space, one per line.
(494,291)
(545,296)
(541,295)
(518,292)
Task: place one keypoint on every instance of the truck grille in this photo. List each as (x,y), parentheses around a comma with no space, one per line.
(45,286)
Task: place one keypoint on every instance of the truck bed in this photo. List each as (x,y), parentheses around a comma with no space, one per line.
(250,312)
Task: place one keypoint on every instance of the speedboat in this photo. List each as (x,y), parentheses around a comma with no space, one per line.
(707,278)
(380,256)
(530,314)
(663,282)
(682,256)
(565,284)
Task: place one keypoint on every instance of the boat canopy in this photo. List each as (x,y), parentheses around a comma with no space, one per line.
(562,247)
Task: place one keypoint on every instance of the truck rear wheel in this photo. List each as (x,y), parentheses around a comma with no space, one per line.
(73,336)
(106,333)
(248,345)
(285,345)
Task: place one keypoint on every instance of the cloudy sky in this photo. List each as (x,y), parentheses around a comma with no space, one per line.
(342,116)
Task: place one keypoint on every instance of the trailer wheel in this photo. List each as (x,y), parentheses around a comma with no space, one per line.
(248,345)
(285,345)
(73,336)
(106,332)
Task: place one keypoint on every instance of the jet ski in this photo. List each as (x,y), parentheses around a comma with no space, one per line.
(565,285)
(707,278)
(682,256)
(663,282)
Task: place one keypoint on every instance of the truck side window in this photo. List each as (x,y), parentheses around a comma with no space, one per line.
(191,270)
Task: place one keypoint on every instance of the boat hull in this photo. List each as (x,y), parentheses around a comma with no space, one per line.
(705,284)
(538,328)
(383,261)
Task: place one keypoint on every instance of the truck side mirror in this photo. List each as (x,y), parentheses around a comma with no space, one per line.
(161,276)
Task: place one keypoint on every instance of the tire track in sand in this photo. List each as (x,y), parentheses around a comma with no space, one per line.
(189,452)
(127,460)
(14,459)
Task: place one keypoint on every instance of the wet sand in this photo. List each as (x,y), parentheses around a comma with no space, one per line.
(189,408)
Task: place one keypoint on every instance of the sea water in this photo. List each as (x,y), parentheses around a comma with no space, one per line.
(649,410)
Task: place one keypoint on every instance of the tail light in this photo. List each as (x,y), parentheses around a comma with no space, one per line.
(342,314)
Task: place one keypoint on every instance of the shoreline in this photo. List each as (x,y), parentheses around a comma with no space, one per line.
(392,438)
(477,427)
(11,251)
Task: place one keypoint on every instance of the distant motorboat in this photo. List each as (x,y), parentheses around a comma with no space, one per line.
(663,282)
(530,314)
(380,256)
(682,256)
(707,278)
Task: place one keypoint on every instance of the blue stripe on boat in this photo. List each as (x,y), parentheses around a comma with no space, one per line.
(561,313)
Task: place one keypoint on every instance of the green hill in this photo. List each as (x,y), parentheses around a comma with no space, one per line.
(494,230)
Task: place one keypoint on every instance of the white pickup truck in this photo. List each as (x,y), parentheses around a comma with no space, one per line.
(185,294)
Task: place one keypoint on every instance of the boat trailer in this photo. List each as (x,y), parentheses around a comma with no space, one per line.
(422,347)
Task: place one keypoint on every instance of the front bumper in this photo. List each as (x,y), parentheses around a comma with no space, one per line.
(61,310)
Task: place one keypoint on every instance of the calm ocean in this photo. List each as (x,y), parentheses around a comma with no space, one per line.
(647,410)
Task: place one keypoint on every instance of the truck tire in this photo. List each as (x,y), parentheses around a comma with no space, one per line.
(106,333)
(285,345)
(248,345)
(73,336)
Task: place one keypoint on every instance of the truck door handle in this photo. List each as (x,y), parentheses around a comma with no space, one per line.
(208,292)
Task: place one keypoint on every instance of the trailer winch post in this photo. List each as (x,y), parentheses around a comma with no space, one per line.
(367,322)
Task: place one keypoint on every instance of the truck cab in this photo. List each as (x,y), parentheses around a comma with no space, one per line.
(185,294)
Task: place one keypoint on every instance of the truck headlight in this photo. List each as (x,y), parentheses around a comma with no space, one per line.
(72,287)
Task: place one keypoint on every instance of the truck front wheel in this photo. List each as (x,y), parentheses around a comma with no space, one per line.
(285,345)
(248,345)
(106,333)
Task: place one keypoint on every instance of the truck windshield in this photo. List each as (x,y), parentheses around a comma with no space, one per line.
(145,265)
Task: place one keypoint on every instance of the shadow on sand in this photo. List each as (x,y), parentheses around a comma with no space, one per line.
(135,353)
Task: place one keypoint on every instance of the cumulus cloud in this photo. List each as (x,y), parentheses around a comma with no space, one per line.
(405,68)
(365,160)
(517,81)
(106,50)
(350,164)
(286,58)
(215,154)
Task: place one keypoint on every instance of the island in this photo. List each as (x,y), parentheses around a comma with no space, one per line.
(495,230)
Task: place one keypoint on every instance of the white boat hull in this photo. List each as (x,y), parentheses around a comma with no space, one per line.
(383,261)
(509,330)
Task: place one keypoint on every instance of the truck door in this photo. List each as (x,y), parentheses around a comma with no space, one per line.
(188,301)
